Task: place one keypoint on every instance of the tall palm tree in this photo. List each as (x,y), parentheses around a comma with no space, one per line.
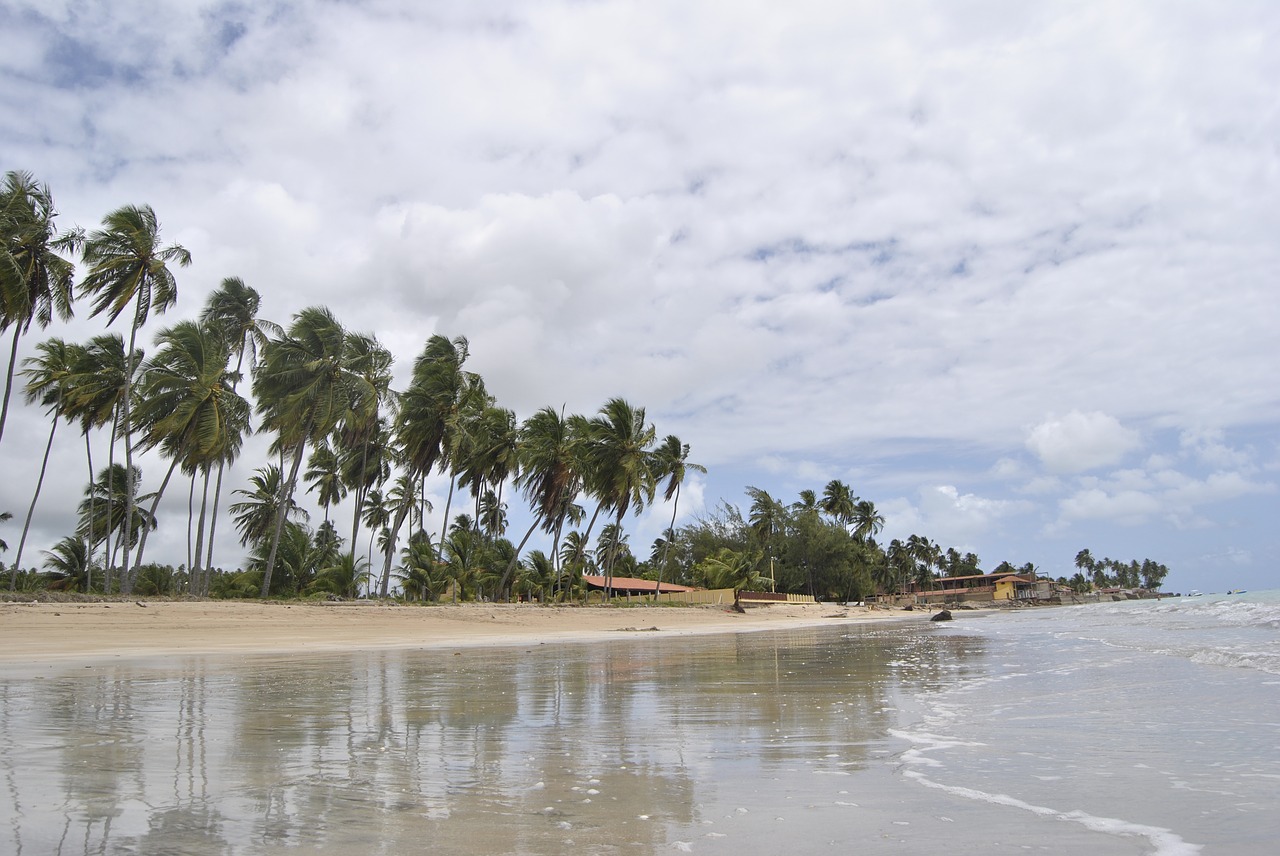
(97,392)
(48,380)
(549,472)
(305,386)
(432,411)
(619,441)
(127,265)
(671,462)
(766,519)
(188,407)
(363,449)
(35,281)
(232,309)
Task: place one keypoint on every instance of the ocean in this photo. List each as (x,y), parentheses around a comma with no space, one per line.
(1144,727)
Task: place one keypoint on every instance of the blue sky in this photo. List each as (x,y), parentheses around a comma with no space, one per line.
(1007,269)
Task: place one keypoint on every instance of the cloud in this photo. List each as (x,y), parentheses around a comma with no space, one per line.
(1081,441)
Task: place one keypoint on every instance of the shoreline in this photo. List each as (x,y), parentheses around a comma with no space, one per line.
(39,633)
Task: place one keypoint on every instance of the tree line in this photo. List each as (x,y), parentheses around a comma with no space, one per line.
(339,431)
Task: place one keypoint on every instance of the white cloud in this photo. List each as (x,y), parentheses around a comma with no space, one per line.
(1081,441)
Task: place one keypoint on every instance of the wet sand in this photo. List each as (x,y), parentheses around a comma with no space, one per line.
(33,633)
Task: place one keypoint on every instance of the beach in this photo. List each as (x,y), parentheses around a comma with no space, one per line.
(1143,728)
(51,632)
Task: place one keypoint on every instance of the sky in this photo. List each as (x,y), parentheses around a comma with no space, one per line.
(1007,269)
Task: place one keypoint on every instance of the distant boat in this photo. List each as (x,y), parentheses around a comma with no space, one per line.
(1237,591)
(1194,593)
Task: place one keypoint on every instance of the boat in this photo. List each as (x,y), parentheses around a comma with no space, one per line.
(1195,593)
(1236,591)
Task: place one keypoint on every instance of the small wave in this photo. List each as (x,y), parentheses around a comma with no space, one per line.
(1164,841)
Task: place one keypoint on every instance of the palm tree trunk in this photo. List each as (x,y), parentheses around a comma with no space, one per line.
(88,452)
(213,526)
(197,577)
(666,548)
(401,512)
(108,547)
(191,502)
(26,526)
(8,384)
(126,586)
(515,558)
(155,503)
(286,495)
(449,501)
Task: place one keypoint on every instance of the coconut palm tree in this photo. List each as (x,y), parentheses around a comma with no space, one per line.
(115,494)
(35,281)
(188,407)
(96,399)
(48,380)
(255,517)
(324,475)
(305,386)
(363,446)
(867,522)
(618,447)
(671,462)
(127,266)
(766,519)
(232,309)
(71,558)
(550,477)
(839,503)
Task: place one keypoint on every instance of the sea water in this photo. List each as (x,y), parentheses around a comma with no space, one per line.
(1141,727)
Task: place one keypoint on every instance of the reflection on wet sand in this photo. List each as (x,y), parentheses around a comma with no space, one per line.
(615,747)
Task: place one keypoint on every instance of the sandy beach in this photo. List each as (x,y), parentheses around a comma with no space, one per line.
(52,632)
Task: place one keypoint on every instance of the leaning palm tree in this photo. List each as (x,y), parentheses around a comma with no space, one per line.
(305,386)
(324,475)
(232,309)
(96,399)
(188,407)
(671,462)
(618,447)
(127,266)
(48,380)
(114,495)
(867,522)
(549,474)
(35,281)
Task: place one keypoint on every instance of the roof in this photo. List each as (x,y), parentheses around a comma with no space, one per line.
(633,584)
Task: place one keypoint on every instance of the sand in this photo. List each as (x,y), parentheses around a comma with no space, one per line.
(33,633)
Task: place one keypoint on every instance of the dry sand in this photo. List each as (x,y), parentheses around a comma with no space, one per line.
(32,633)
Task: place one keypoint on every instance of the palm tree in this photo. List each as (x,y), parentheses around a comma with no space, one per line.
(233,310)
(671,462)
(127,266)
(432,411)
(549,473)
(116,491)
(35,282)
(766,519)
(305,386)
(70,557)
(48,379)
(96,399)
(867,522)
(325,477)
(617,453)
(422,575)
(342,576)
(188,407)
(255,517)
(362,437)
(839,503)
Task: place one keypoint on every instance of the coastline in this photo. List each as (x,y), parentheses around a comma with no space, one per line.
(40,633)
